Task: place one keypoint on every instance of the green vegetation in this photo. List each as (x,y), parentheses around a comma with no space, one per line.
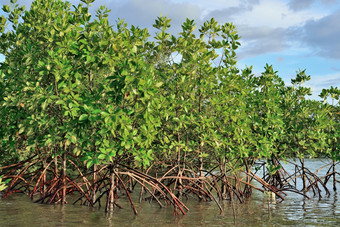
(3,184)
(97,109)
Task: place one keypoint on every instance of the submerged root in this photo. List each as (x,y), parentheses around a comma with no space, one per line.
(288,182)
(106,184)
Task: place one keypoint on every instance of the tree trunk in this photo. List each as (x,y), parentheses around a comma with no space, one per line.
(43,180)
(112,190)
(180,172)
(247,189)
(302,161)
(55,164)
(63,200)
(201,161)
(334,176)
(94,188)
(111,198)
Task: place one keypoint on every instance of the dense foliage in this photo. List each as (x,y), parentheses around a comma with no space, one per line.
(84,95)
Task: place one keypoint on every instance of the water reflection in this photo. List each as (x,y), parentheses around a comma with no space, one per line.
(299,211)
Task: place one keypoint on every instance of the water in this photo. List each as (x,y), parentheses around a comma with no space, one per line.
(295,210)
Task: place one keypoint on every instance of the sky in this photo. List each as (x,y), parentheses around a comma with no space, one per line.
(288,34)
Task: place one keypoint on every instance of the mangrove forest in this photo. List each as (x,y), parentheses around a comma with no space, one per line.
(101,109)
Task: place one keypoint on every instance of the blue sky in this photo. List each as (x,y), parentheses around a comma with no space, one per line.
(289,34)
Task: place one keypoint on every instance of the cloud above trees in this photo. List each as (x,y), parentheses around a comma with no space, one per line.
(323,35)
(297,5)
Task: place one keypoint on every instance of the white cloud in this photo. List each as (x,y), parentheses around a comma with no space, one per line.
(210,8)
(261,39)
(317,83)
(323,35)
(275,13)
(297,5)
(265,26)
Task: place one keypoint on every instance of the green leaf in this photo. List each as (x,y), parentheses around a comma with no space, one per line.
(73,139)
(83,117)
(101,156)
(159,84)
(6,8)
(134,49)
(60,102)
(96,111)
(21,130)
(76,151)
(89,164)
(142,82)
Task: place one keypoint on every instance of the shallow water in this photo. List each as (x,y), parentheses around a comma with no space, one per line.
(18,210)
